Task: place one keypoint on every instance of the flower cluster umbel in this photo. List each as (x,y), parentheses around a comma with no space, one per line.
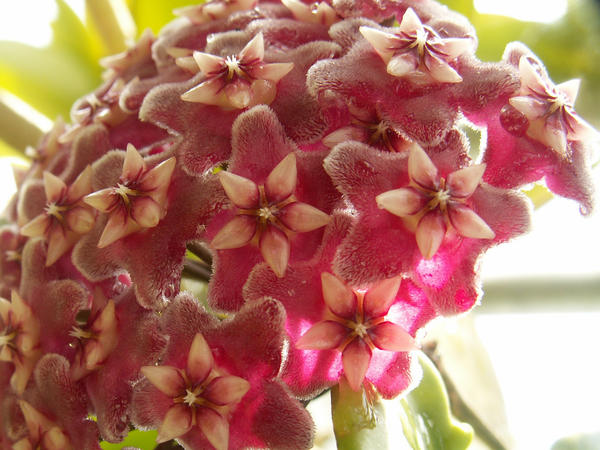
(307,161)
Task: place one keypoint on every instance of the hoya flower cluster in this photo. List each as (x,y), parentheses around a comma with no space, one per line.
(309,162)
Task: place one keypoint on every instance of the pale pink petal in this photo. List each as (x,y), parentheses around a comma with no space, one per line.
(4,309)
(54,187)
(389,336)
(468,223)
(82,185)
(454,47)
(239,94)
(281,182)
(134,165)
(80,219)
(102,200)
(176,423)
(323,336)
(214,426)
(410,22)
(401,202)
(117,227)
(380,297)
(530,107)
(206,92)
(159,176)
(382,42)
(421,169)
(34,420)
(242,192)
(355,359)
(263,92)
(342,135)
(272,72)
(166,379)
(254,51)
(531,80)
(579,130)
(301,217)
(402,64)
(441,71)
(226,390)
(58,244)
(430,233)
(56,439)
(275,249)
(36,227)
(200,359)
(145,211)
(339,298)
(569,89)
(208,63)
(236,233)
(463,182)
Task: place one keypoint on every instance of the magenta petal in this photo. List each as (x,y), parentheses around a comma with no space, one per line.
(421,169)
(379,298)
(275,249)
(339,298)
(242,192)
(281,182)
(200,359)
(430,233)
(389,336)
(468,223)
(301,217)
(226,390)
(236,233)
(355,358)
(323,336)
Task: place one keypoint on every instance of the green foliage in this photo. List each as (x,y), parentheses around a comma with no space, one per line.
(144,440)
(426,418)
(155,14)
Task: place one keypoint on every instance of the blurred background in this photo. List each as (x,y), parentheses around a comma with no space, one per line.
(525,363)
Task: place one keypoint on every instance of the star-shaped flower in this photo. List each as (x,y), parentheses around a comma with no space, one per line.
(138,201)
(355,324)
(238,81)
(435,202)
(65,217)
(415,49)
(316,12)
(550,108)
(214,9)
(267,214)
(202,395)
(43,433)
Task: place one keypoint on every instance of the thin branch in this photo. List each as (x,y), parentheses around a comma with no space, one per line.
(197,270)
(201,252)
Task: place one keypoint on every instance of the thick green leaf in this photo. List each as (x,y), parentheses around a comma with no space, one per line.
(358,419)
(145,440)
(426,418)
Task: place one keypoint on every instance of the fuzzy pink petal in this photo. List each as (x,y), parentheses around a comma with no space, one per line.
(322,336)
(356,358)
(389,336)
(339,298)
(468,223)
(421,169)
(214,426)
(463,182)
(281,182)
(200,360)
(430,233)
(176,423)
(236,233)
(275,249)
(301,217)
(242,192)
(167,379)
(226,390)
(379,298)
(401,202)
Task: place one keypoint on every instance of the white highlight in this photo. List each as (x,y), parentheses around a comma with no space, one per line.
(544,11)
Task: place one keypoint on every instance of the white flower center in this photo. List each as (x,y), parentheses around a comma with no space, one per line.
(233,66)
(80,334)
(190,397)
(52,209)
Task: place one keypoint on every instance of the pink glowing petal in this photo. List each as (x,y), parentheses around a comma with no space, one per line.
(401,202)
(166,379)
(272,72)
(254,51)
(323,336)
(54,187)
(102,200)
(389,336)
(214,426)
(463,182)
(468,223)
(339,298)
(80,219)
(403,64)
(242,192)
(441,71)
(355,359)
(159,176)
(532,108)
(421,169)
(226,390)
(206,92)
(146,212)
(301,217)
(275,249)
(430,233)
(134,165)
(176,423)
(382,42)
(36,227)
(235,234)
(117,227)
(569,89)
(410,22)
(200,359)
(208,63)
(281,182)
(81,186)
(239,94)
(379,298)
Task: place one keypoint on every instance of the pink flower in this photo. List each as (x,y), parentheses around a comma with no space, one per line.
(316,12)
(214,9)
